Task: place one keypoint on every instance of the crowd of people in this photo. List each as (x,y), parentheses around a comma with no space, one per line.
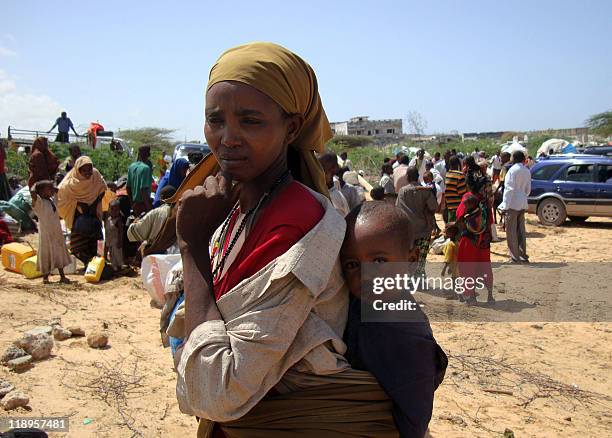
(467,191)
(265,326)
(123,214)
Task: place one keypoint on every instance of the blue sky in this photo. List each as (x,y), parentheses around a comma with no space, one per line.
(464,65)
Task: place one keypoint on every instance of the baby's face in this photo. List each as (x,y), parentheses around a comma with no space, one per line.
(368,242)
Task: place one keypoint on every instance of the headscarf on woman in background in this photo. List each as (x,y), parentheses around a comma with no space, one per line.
(173,177)
(78,203)
(43,163)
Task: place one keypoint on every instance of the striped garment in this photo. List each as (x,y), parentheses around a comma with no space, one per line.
(455,188)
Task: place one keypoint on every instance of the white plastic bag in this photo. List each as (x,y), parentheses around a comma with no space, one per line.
(437,246)
(154,270)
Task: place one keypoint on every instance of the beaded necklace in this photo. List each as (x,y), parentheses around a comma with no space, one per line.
(218,270)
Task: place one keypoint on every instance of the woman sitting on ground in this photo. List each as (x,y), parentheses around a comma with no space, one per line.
(78,203)
(146,229)
(266,305)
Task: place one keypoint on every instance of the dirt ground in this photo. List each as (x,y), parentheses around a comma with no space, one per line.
(536,379)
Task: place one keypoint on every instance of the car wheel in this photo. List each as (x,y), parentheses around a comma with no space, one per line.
(551,211)
(578,218)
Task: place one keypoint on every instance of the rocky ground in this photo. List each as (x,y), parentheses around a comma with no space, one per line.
(534,378)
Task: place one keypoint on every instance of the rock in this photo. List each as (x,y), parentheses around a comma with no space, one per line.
(47,329)
(537,326)
(60,333)
(13,352)
(39,346)
(508,433)
(5,388)
(55,321)
(14,399)
(568,418)
(76,331)
(97,339)
(20,364)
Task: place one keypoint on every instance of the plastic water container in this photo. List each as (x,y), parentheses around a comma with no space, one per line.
(14,254)
(94,270)
(28,268)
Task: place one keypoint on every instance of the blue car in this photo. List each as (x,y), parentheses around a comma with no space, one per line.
(571,186)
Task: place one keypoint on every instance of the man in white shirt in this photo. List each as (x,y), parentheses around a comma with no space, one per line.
(496,164)
(329,163)
(419,162)
(399,173)
(517,186)
(386,181)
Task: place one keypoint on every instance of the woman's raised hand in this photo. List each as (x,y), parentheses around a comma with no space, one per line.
(201,211)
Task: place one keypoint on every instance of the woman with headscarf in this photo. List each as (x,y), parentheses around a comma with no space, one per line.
(173,177)
(266,304)
(78,202)
(43,163)
(474,248)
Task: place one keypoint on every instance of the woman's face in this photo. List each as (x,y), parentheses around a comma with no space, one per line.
(246,130)
(86,170)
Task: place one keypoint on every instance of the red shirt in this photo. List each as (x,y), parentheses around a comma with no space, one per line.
(288,218)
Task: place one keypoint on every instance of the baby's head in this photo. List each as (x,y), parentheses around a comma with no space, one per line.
(45,188)
(114,208)
(471,203)
(376,232)
(428,177)
(451,230)
(112,186)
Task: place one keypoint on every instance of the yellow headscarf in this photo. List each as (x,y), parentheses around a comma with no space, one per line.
(74,188)
(289,81)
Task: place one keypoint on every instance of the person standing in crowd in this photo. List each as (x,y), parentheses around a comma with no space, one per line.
(5,189)
(163,162)
(386,180)
(419,204)
(353,193)
(79,204)
(489,197)
(329,163)
(517,186)
(496,165)
(345,162)
(74,153)
(474,249)
(140,181)
(113,236)
(52,252)
(419,162)
(440,163)
(174,177)
(499,192)
(64,125)
(399,173)
(454,188)
(396,161)
(43,163)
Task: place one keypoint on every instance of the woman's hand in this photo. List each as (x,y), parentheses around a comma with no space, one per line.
(202,210)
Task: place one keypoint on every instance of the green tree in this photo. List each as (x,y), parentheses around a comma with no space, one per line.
(159,138)
(601,124)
